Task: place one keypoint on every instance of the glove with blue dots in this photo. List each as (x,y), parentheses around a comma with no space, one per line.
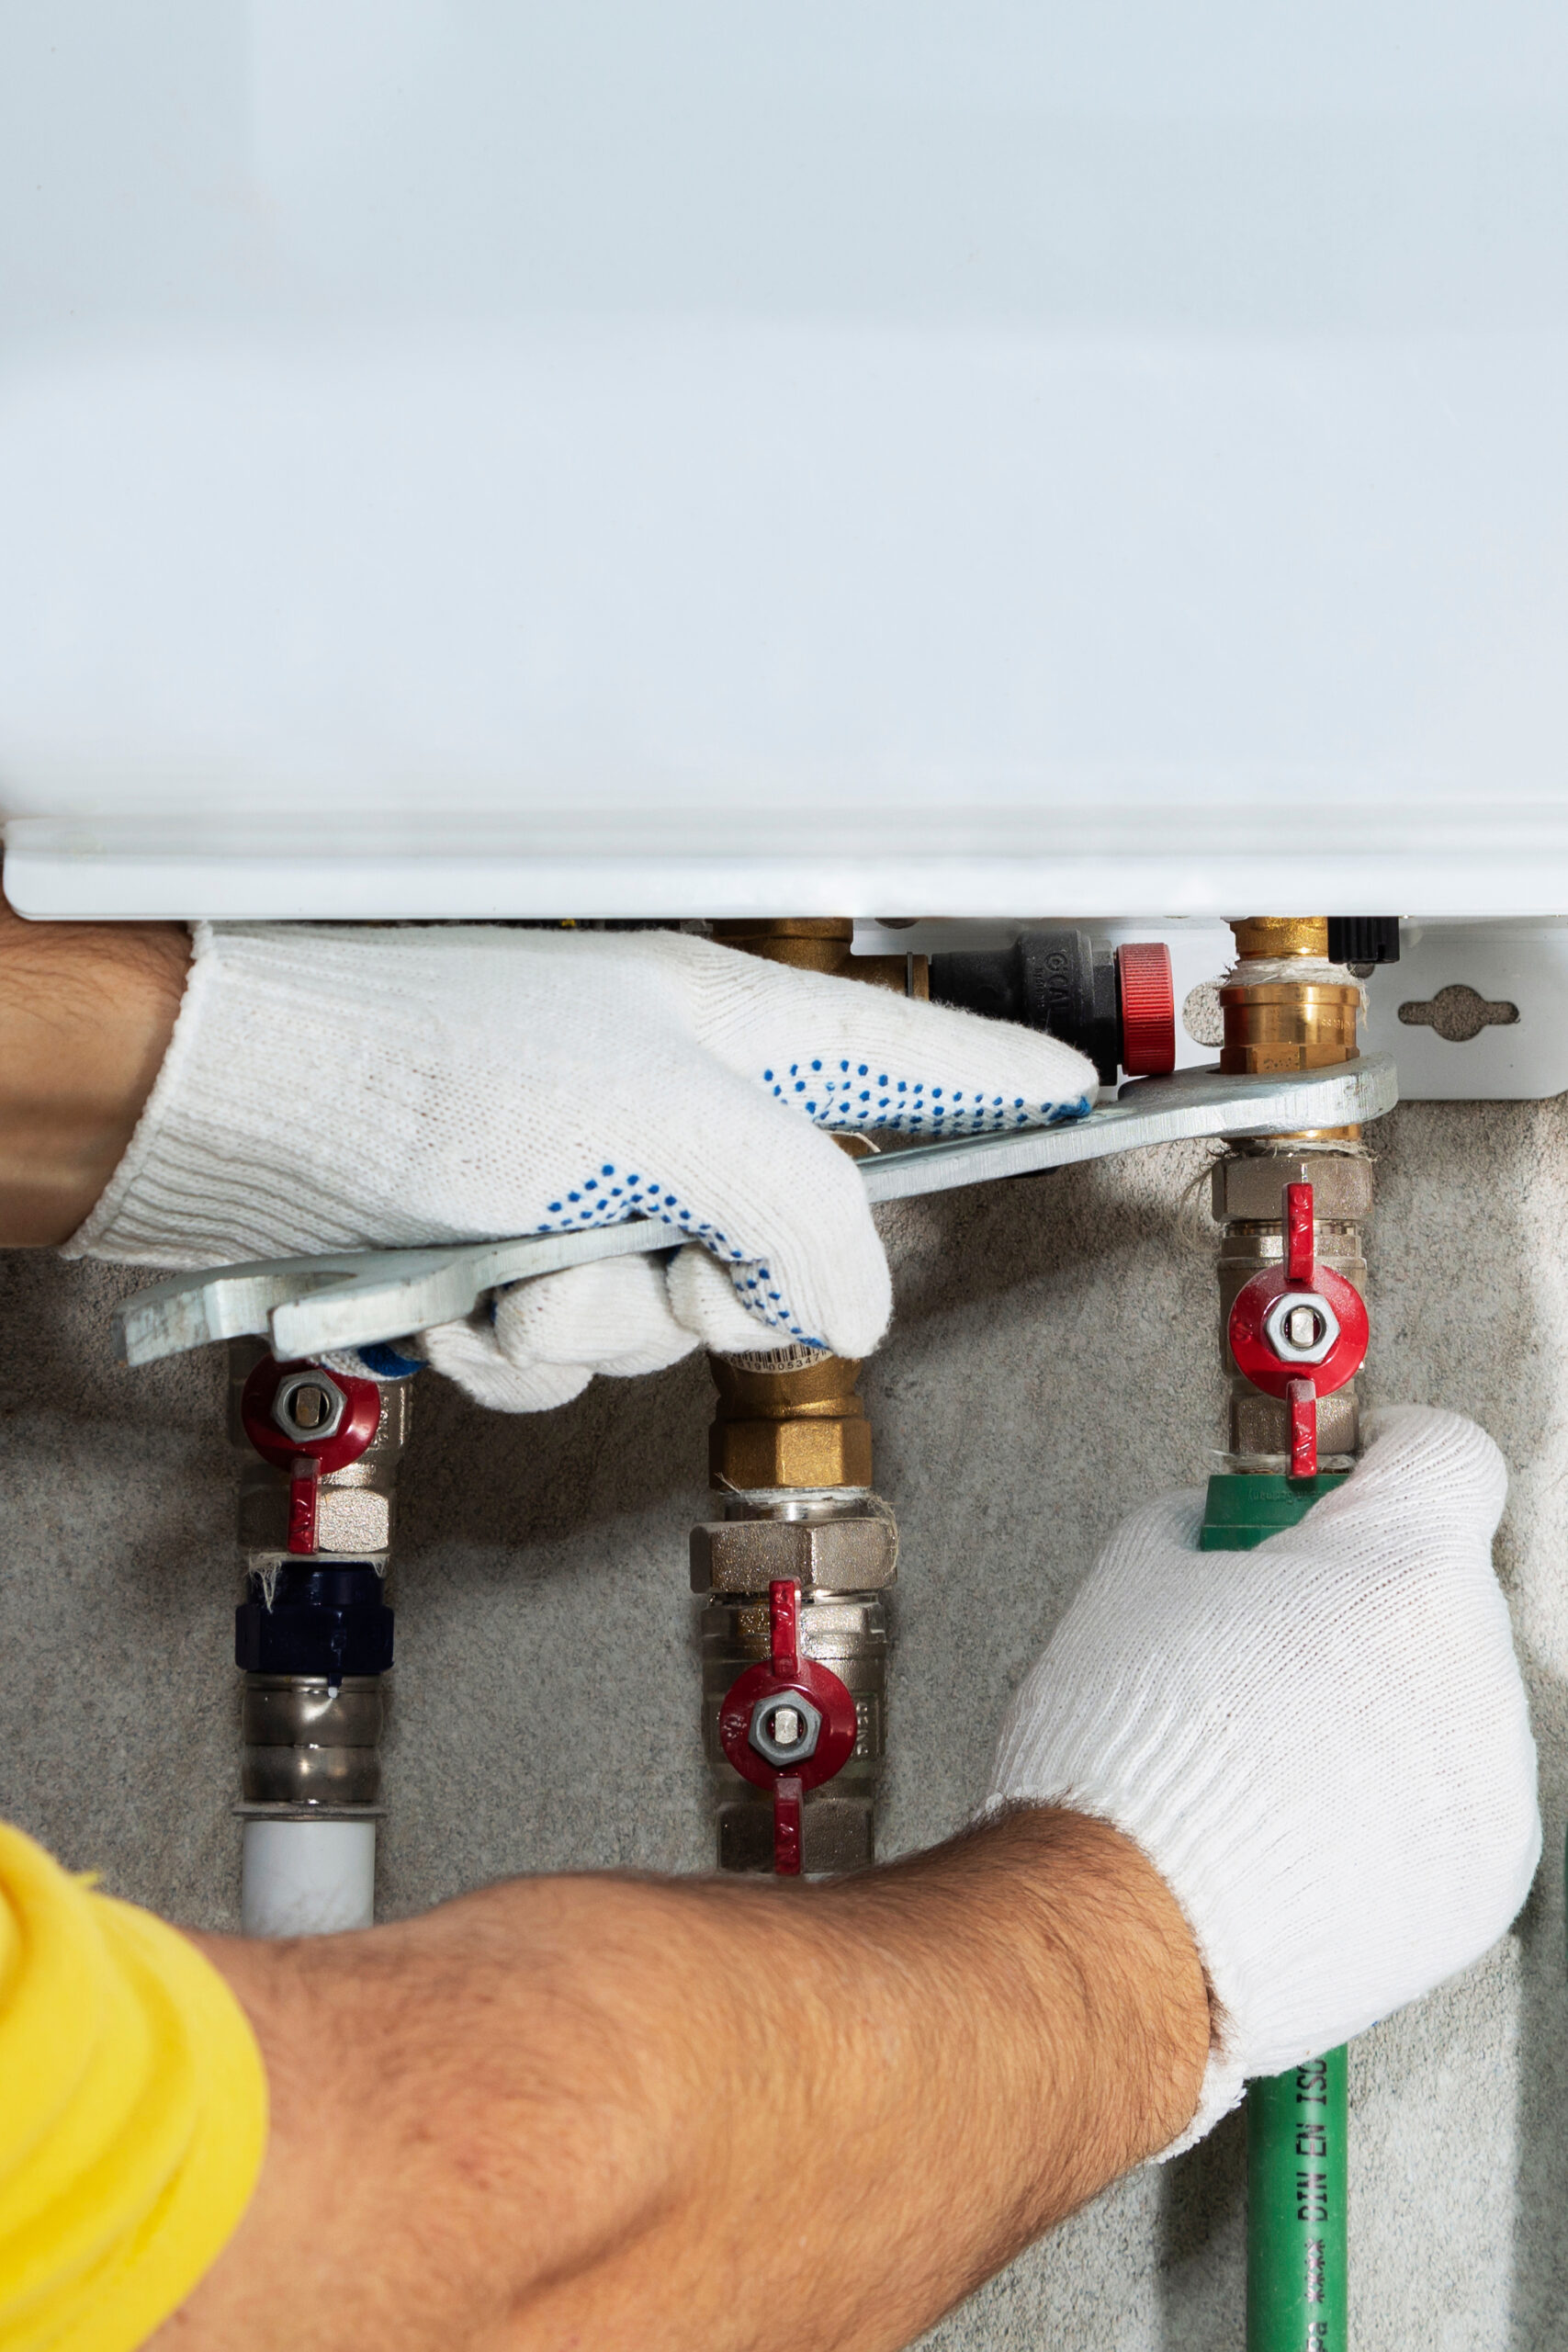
(351,1088)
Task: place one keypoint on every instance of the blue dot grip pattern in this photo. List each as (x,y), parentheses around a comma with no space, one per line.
(841,1095)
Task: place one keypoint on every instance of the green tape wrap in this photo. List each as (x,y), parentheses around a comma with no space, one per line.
(1296,2122)
(1244,1508)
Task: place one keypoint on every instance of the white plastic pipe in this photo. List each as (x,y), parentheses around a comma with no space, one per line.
(308,1878)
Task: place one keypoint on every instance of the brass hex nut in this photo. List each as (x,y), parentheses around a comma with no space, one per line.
(801,1425)
(855,1555)
(826,1453)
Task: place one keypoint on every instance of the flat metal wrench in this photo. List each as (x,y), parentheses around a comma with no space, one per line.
(310,1307)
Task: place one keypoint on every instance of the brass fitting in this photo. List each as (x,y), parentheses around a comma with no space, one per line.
(824,944)
(793,1418)
(1283,1024)
(800,1426)
(812,943)
(1282,935)
(788,1426)
(1274,1025)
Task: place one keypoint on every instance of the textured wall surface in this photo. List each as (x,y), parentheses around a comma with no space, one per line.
(1053,1362)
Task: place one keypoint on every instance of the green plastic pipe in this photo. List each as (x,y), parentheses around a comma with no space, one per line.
(1297,2298)
(1296,2281)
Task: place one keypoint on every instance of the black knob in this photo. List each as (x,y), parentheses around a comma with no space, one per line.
(1115,1004)
(1363,939)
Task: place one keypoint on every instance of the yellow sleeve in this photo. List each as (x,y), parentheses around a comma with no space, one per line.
(132,2112)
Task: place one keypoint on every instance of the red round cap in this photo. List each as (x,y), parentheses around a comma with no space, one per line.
(1148,1009)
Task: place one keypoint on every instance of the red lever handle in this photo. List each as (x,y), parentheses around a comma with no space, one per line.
(783,1622)
(1300,1242)
(788,1791)
(302,1492)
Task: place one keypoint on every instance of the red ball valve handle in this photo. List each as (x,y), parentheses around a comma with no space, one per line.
(305,1421)
(787,1725)
(789,1792)
(1299,1331)
(789,1789)
(1302,1397)
(1301,1239)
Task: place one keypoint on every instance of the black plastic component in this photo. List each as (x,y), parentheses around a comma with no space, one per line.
(1363,939)
(329,1621)
(1062,981)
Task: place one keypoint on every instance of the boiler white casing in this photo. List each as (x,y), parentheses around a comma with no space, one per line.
(892,457)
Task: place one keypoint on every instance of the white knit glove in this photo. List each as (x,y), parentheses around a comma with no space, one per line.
(332,1089)
(1322,1745)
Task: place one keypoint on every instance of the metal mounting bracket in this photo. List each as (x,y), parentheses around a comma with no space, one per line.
(309,1307)
(1475,1012)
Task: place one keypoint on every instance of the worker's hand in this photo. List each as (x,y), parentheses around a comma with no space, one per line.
(1321,1745)
(350,1088)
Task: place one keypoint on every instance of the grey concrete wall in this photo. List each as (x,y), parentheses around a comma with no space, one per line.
(1052,1361)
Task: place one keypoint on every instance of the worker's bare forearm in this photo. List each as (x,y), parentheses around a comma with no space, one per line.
(86,1012)
(619,2111)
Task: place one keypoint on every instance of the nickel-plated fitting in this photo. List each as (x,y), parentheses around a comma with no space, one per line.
(313,1635)
(306,1745)
(1248,1185)
(357,1505)
(843,1552)
(855,1553)
(1247,1199)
